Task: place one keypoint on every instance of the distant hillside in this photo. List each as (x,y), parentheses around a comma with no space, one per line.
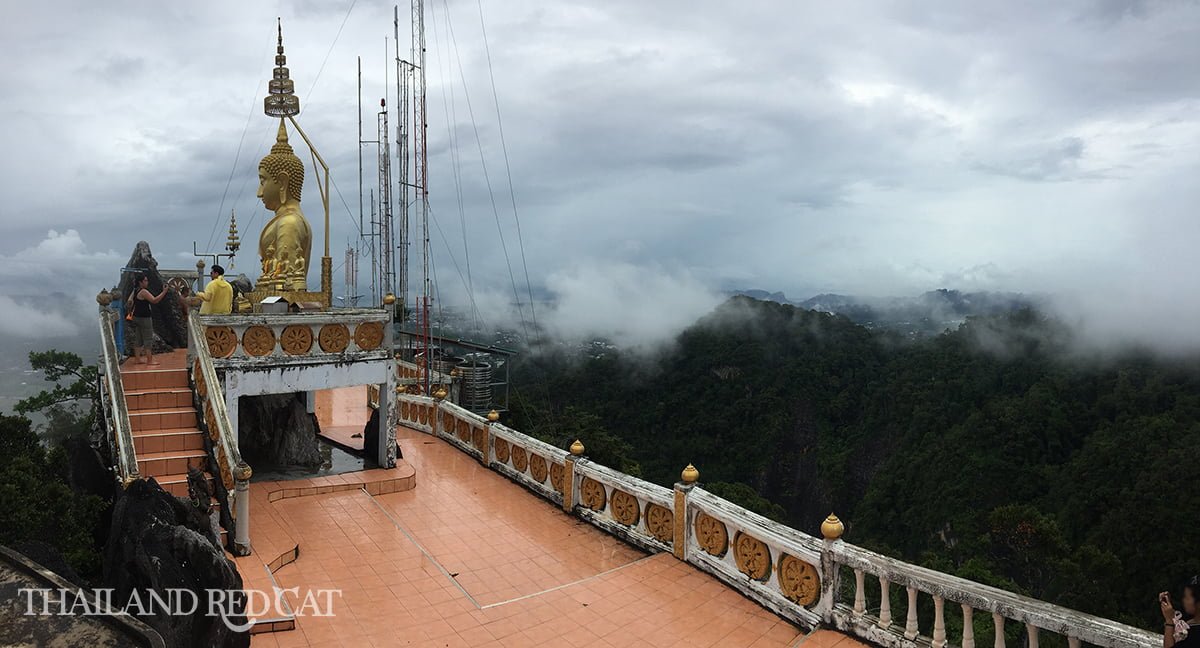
(987,451)
(926,314)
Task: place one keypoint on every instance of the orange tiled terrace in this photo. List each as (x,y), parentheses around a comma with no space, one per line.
(464,557)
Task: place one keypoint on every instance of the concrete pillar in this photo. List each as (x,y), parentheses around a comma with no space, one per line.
(310,402)
(387,433)
(231,406)
(241,537)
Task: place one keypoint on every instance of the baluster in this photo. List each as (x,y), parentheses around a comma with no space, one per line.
(860,594)
(910,626)
(968,638)
(1032,631)
(1073,642)
(999,622)
(885,604)
(939,622)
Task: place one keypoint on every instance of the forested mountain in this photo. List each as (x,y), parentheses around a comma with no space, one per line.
(999,451)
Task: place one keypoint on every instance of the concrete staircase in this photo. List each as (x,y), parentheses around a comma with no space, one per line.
(166,436)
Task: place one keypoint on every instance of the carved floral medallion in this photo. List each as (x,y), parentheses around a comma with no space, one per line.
(404,411)
(711,534)
(753,556)
(296,339)
(368,335)
(520,460)
(501,449)
(334,338)
(556,476)
(625,508)
(464,430)
(258,340)
(479,439)
(591,493)
(221,341)
(198,378)
(799,580)
(537,468)
(660,522)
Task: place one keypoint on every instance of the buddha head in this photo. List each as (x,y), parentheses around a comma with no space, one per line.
(280,174)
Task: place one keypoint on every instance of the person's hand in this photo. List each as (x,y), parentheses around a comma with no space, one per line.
(1168,610)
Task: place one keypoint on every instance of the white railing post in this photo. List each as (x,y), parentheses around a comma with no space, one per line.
(885,604)
(968,637)
(939,622)
(910,624)
(831,530)
(241,536)
(1032,631)
(998,620)
(860,594)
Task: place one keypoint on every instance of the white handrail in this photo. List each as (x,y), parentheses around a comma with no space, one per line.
(122,432)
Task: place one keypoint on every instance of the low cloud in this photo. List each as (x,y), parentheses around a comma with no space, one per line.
(633,305)
(30,321)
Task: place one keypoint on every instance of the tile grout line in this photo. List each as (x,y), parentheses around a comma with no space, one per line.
(558,587)
(419,546)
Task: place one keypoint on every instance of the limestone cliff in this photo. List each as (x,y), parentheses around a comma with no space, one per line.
(276,430)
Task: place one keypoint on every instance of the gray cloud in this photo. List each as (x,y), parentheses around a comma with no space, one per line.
(865,149)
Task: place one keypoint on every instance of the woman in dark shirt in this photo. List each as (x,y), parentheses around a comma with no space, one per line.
(1191,597)
(143,322)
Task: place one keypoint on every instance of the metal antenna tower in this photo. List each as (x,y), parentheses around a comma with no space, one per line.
(403,69)
(421,168)
(387,242)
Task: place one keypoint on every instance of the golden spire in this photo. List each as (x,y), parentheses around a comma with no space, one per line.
(281,141)
(233,242)
(281,100)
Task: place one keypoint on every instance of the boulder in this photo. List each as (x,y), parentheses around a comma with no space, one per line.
(155,546)
(370,438)
(170,325)
(241,285)
(276,431)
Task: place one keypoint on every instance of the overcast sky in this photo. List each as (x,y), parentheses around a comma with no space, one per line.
(668,146)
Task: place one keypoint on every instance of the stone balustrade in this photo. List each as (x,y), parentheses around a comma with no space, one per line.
(233,491)
(875,575)
(795,575)
(295,337)
(775,565)
(417,412)
(116,412)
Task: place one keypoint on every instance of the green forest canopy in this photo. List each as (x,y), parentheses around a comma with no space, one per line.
(997,451)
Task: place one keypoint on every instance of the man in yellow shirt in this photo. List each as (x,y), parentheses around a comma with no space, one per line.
(218,295)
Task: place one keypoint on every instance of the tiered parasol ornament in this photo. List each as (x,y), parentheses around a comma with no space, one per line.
(233,243)
(282,100)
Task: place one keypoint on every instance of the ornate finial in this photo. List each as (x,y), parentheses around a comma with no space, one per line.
(200,265)
(242,472)
(400,389)
(690,474)
(440,394)
(104,298)
(832,528)
(281,100)
(233,242)
(389,299)
(577,448)
(493,416)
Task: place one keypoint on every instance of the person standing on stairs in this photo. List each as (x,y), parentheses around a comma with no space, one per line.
(143,320)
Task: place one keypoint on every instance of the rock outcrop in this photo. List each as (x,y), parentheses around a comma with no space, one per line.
(277,431)
(170,327)
(154,546)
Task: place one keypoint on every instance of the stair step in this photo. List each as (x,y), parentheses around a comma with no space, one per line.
(168,398)
(148,379)
(176,484)
(154,464)
(167,440)
(160,419)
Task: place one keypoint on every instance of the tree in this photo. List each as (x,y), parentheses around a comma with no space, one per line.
(36,504)
(62,406)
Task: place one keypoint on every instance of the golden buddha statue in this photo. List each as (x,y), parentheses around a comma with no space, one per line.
(285,245)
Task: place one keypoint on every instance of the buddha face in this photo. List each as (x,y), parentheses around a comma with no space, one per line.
(272,190)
